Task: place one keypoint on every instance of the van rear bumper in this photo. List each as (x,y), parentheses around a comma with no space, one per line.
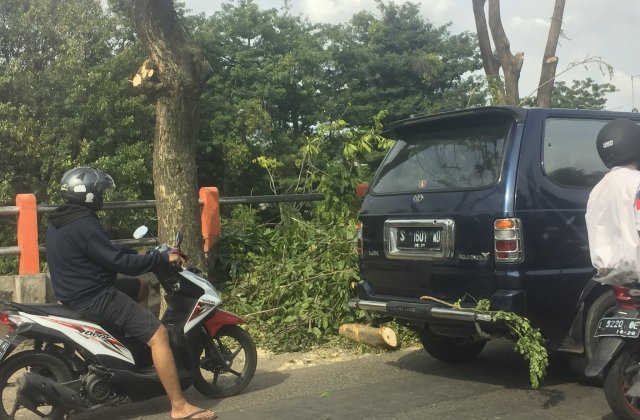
(418,311)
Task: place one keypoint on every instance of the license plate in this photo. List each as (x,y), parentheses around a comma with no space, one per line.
(4,345)
(419,238)
(618,327)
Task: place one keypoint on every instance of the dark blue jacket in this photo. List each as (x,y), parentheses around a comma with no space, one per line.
(82,260)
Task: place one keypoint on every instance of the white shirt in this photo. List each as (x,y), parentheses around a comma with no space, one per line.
(613,222)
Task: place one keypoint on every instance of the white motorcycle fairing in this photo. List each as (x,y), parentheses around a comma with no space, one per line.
(207,302)
(87,335)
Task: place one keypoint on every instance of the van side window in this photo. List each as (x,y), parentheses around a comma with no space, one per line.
(569,156)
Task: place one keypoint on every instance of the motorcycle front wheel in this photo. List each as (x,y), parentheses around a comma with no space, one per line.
(227,362)
(622,374)
(45,364)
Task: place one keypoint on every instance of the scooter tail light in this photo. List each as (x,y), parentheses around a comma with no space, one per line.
(507,240)
(10,320)
(623,298)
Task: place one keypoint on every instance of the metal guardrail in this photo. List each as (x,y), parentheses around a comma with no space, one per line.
(142,204)
(7,251)
(9,211)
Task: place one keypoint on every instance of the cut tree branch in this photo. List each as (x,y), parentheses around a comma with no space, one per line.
(511,64)
(550,61)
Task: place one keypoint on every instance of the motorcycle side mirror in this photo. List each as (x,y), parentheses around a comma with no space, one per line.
(140,232)
(178,239)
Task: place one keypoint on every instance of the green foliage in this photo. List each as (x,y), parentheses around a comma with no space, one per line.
(582,94)
(65,96)
(242,236)
(396,60)
(277,78)
(295,293)
(292,278)
(529,341)
(66,100)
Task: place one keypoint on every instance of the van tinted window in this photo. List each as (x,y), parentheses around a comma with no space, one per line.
(570,156)
(455,157)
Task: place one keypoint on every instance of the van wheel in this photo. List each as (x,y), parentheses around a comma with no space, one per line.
(450,349)
(604,305)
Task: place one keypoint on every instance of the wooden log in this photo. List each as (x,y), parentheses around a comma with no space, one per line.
(383,337)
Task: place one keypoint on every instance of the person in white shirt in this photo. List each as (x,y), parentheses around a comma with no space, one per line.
(613,209)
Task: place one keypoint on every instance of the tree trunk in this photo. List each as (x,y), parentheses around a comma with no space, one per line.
(511,64)
(550,61)
(173,76)
(489,62)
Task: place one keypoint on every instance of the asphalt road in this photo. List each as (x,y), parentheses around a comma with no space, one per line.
(407,384)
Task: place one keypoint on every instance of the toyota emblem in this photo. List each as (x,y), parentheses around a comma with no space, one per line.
(418,198)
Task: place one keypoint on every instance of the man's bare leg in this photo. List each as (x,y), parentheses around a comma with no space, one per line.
(165,365)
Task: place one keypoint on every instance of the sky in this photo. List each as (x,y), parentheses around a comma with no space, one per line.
(607,29)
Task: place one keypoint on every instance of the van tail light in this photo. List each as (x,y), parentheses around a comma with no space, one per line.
(507,234)
(624,298)
(359,239)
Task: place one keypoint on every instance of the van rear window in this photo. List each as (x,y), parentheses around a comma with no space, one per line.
(570,156)
(451,158)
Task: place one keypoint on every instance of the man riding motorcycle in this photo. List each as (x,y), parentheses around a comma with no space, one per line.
(613,209)
(84,264)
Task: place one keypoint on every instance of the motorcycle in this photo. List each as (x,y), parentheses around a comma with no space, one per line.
(63,364)
(616,360)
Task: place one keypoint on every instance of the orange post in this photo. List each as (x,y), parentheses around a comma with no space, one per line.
(361,189)
(210,217)
(28,234)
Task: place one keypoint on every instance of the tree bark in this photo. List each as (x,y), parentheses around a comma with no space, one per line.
(511,64)
(173,76)
(550,61)
(489,61)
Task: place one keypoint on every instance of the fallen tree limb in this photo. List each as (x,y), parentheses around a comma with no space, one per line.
(383,337)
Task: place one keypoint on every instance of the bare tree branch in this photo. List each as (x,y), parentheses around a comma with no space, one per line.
(511,64)
(550,61)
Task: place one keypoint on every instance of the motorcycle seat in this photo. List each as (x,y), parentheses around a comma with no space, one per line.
(54,309)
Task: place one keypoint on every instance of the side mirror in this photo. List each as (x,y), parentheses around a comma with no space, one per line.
(140,232)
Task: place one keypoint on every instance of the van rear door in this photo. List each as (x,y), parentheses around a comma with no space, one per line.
(428,220)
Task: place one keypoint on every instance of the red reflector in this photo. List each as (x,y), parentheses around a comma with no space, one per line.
(621,294)
(502,255)
(4,320)
(623,298)
(506,246)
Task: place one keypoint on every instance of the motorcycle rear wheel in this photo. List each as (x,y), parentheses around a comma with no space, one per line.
(219,379)
(618,380)
(45,364)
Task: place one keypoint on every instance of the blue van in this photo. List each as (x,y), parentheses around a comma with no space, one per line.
(485,203)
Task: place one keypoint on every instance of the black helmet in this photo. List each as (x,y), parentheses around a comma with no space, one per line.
(618,142)
(85,186)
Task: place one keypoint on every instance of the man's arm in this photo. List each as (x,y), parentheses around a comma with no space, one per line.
(103,252)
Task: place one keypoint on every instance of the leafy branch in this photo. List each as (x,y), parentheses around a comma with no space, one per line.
(529,341)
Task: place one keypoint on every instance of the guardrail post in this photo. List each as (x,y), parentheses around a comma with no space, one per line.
(361,189)
(210,217)
(28,234)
